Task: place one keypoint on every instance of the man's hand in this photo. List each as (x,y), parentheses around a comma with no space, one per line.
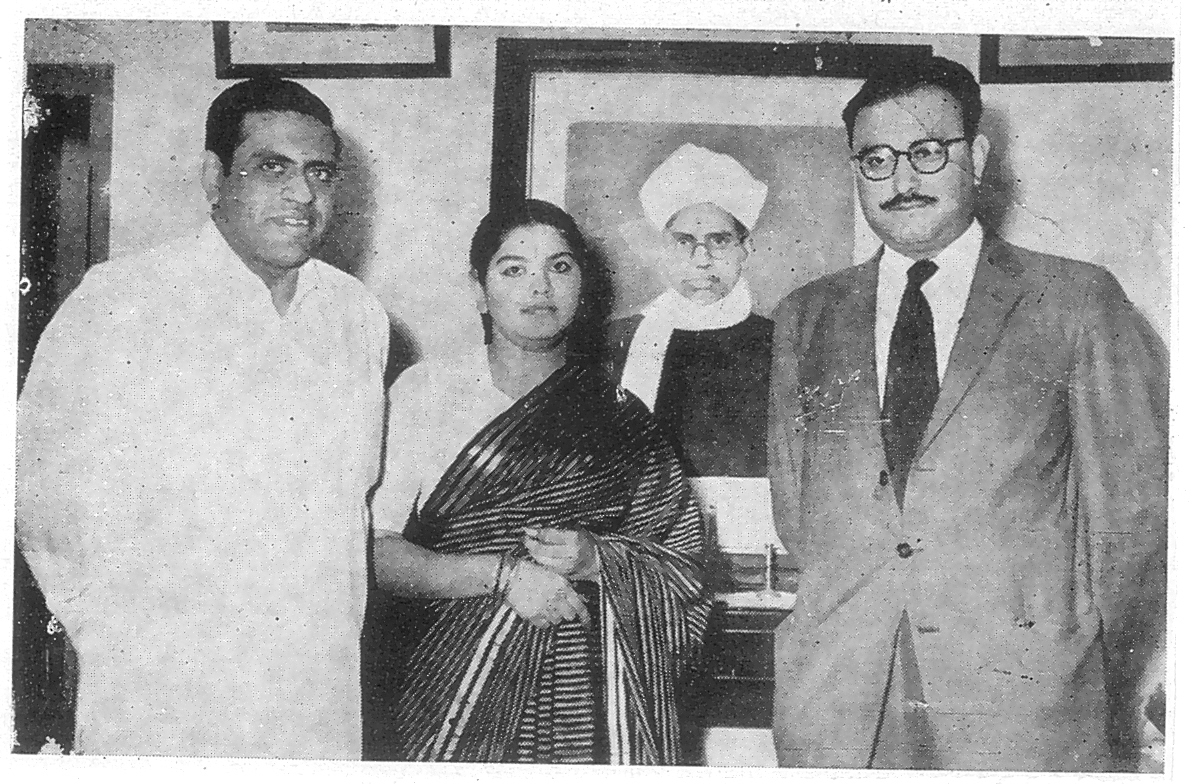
(569,553)
(542,597)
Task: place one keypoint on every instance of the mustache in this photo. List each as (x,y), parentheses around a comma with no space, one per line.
(902,199)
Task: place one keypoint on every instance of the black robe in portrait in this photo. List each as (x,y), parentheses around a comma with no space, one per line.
(713,393)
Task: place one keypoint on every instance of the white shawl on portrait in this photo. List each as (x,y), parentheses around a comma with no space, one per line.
(669,311)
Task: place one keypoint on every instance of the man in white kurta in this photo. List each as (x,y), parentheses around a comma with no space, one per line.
(192,470)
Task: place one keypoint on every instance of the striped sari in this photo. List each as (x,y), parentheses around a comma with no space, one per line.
(484,685)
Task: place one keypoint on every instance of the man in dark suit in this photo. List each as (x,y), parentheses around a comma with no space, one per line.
(968,455)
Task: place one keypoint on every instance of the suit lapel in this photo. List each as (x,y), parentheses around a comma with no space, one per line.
(864,339)
(852,333)
(996,290)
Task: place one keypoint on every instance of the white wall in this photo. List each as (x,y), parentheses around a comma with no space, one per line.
(1087,167)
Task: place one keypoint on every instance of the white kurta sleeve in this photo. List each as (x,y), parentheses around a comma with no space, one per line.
(379,336)
(83,472)
(405,455)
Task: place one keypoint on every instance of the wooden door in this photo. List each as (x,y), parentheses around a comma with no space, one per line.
(65,168)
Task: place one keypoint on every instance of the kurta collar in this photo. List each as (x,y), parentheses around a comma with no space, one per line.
(224,262)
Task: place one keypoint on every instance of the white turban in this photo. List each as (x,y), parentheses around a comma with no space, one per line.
(695,175)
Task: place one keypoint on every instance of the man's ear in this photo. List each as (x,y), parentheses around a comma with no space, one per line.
(980,147)
(212,176)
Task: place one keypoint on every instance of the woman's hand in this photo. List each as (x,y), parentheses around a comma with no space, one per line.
(543,597)
(569,553)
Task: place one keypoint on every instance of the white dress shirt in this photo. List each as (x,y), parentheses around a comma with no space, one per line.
(946,291)
(192,470)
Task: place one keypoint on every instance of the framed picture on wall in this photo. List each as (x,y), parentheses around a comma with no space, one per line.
(583,123)
(318,50)
(1020,59)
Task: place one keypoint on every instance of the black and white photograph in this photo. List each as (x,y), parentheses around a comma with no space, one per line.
(790,390)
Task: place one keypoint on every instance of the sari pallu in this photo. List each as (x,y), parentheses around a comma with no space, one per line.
(484,685)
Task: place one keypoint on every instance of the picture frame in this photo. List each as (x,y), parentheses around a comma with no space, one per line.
(521,60)
(582,123)
(1027,59)
(316,50)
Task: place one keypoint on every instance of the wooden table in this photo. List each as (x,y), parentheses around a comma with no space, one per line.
(733,678)
(732,681)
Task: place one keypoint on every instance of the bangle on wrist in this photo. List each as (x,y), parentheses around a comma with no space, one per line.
(507,563)
(511,564)
(498,570)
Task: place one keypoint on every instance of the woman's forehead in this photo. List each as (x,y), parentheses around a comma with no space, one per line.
(533,240)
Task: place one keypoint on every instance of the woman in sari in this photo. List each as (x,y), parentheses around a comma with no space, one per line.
(546,520)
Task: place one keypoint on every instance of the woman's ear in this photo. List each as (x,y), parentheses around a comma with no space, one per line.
(478,291)
(483,307)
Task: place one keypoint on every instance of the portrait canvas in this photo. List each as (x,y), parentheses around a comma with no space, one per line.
(596,138)
(804,230)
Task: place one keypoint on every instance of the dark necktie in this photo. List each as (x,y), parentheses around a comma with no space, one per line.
(911,389)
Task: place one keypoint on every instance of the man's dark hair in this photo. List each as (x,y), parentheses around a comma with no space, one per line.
(226,116)
(901,78)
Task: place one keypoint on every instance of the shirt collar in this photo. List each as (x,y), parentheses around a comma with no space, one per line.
(958,258)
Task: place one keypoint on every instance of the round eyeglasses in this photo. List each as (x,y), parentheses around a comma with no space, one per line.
(278,172)
(718,245)
(927,156)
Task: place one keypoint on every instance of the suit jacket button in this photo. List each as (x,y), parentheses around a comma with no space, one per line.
(904,550)
(883,479)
